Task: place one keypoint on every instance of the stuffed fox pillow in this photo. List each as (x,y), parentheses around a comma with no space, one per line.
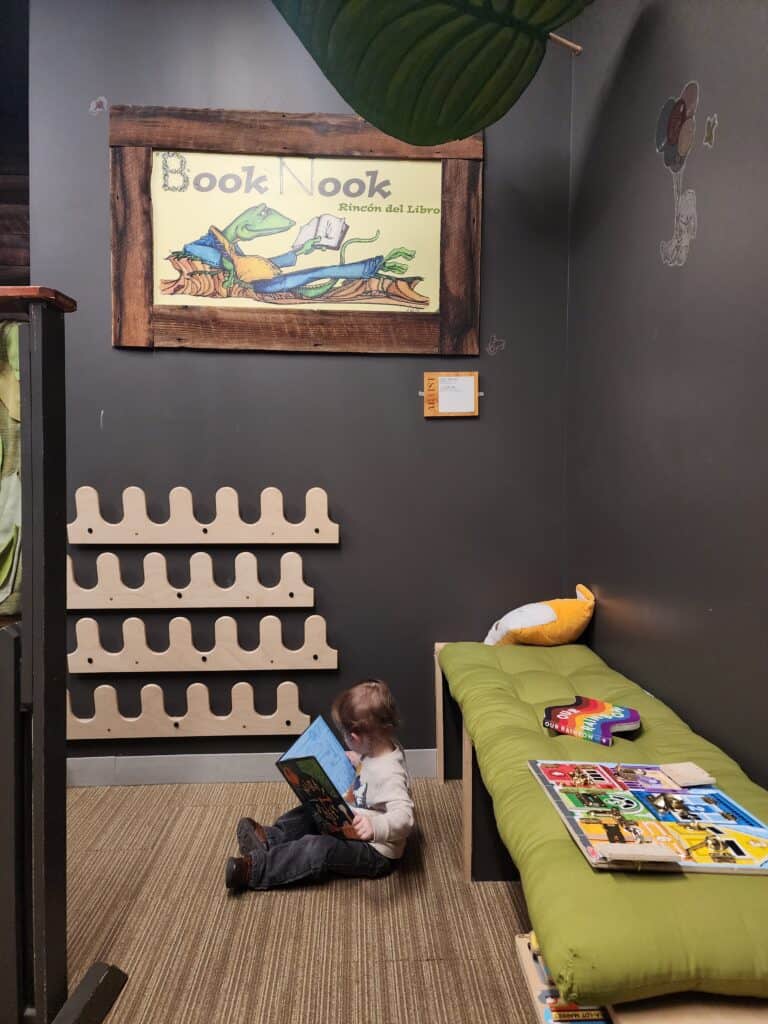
(546,623)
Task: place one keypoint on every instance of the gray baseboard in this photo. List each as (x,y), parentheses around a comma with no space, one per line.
(171,768)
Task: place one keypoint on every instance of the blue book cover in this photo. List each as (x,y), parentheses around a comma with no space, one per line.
(318,770)
(319,741)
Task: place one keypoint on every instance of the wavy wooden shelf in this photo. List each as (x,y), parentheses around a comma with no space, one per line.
(107,723)
(181,655)
(182,527)
(202,591)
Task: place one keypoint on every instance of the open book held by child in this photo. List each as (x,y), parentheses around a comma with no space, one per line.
(294,849)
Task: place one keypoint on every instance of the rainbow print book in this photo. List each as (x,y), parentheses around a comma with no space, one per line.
(591,719)
(625,815)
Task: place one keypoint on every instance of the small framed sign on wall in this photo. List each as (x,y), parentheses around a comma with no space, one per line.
(451,393)
(259,230)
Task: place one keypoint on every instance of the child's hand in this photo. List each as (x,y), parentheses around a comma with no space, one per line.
(362,826)
(353,756)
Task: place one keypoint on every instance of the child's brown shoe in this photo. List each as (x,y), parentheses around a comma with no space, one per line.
(250,835)
(237,875)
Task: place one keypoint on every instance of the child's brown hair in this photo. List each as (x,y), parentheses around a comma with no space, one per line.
(368,709)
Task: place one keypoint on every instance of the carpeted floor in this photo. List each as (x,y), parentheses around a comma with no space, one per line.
(146,892)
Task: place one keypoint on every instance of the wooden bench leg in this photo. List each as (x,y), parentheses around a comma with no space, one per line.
(448,726)
(485,857)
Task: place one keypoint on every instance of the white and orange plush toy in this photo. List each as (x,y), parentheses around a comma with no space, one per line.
(546,623)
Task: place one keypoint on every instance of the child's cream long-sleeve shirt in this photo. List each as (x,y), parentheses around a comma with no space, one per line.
(382,793)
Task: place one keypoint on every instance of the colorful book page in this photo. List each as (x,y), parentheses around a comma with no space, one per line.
(609,807)
(722,847)
(579,775)
(308,780)
(708,806)
(643,776)
(584,801)
(617,829)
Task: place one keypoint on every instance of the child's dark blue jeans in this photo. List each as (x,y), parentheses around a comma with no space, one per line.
(298,852)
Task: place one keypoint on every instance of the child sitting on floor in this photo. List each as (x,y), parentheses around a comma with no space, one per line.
(294,849)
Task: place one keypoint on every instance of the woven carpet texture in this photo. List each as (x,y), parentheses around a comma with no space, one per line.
(146,893)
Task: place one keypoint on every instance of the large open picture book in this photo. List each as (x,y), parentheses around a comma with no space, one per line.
(622,815)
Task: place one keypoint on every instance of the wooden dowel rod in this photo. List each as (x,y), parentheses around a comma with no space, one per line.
(561,41)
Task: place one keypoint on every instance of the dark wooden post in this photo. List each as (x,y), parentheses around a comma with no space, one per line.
(44,641)
(33,880)
(11,830)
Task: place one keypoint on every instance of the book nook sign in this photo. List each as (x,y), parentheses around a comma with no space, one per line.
(306,232)
(240,230)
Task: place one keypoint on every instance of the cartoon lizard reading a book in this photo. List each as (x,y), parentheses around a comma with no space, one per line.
(221,249)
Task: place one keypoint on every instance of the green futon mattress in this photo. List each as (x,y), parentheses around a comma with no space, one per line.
(607,936)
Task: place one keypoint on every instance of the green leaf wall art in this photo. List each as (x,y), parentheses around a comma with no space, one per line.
(428,72)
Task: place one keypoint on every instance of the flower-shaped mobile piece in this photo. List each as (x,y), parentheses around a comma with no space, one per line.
(676,129)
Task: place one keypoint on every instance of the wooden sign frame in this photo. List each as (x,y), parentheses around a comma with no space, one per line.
(134,132)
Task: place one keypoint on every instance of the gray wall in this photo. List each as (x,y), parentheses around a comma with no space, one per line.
(667,487)
(444,524)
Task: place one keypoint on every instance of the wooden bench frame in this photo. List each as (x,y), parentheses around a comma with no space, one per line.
(484,856)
